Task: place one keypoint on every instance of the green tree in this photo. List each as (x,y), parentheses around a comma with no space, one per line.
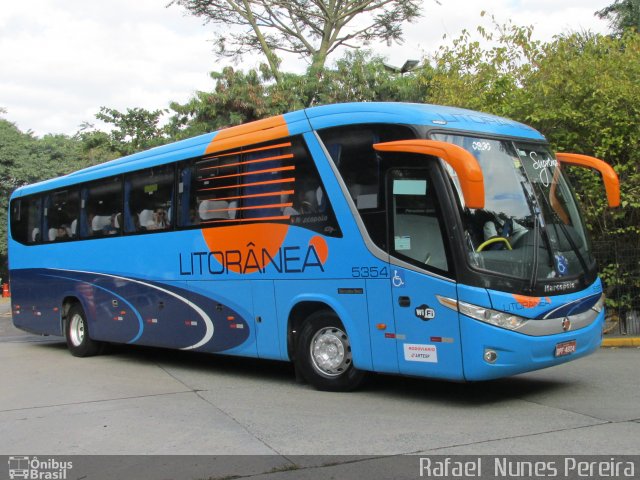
(132,131)
(240,97)
(16,148)
(585,96)
(312,29)
(469,74)
(237,98)
(360,77)
(26,159)
(623,15)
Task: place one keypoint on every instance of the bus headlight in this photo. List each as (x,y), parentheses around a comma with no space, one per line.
(493,317)
(486,315)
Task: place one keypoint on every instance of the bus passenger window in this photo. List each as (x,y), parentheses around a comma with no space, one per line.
(62,213)
(149,197)
(102,215)
(26,220)
(211,188)
(276,182)
(308,205)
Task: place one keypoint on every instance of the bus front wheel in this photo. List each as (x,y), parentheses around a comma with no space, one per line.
(323,356)
(77,334)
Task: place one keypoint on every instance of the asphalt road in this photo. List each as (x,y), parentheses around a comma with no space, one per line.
(141,401)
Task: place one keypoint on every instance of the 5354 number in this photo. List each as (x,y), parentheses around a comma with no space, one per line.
(369,272)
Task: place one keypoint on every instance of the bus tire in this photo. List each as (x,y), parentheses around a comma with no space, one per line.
(323,354)
(76,333)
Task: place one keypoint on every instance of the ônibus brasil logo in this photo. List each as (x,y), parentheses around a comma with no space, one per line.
(38,469)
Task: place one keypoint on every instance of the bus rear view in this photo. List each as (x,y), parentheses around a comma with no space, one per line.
(395,238)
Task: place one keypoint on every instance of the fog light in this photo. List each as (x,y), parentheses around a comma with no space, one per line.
(490,356)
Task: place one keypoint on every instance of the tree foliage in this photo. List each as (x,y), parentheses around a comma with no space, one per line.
(240,97)
(468,73)
(623,15)
(134,130)
(25,159)
(312,29)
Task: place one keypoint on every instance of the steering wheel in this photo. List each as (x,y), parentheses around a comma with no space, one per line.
(493,240)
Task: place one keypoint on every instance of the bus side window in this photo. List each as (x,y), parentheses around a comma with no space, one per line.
(103,208)
(351,149)
(212,190)
(62,213)
(275,182)
(361,169)
(417,230)
(26,220)
(309,205)
(149,199)
(269,172)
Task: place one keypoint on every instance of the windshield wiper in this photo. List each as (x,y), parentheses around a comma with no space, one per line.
(572,243)
(538,226)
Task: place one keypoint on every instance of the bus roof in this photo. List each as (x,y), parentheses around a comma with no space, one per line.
(316,118)
(435,116)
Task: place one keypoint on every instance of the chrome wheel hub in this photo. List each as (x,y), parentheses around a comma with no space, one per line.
(76,330)
(330,351)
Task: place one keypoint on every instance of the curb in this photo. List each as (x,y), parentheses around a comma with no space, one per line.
(621,342)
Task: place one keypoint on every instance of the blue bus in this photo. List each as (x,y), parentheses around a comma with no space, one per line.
(399,238)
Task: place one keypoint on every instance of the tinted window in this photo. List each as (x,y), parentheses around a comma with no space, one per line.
(417,230)
(363,169)
(26,220)
(62,214)
(275,182)
(102,215)
(149,195)
(351,149)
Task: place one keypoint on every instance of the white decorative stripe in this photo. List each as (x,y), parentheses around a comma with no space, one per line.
(207,320)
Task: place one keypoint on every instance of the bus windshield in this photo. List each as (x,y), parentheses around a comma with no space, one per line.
(531,227)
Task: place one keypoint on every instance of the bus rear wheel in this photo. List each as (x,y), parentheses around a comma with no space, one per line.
(77,334)
(323,354)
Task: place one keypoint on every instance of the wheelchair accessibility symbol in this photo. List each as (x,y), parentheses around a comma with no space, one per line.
(397,279)
(562,264)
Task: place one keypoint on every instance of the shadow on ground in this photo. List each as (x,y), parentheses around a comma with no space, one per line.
(274,373)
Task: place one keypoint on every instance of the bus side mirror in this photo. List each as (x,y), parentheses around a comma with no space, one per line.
(464,163)
(609,176)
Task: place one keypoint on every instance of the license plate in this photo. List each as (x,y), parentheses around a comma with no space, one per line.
(565,348)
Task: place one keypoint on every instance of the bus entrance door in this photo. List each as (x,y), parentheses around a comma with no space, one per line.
(427,333)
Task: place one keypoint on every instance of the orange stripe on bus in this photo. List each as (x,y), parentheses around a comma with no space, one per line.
(257,172)
(254,207)
(253,184)
(260,160)
(254,195)
(250,133)
(259,149)
(237,220)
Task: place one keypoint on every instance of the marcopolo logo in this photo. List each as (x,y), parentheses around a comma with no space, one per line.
(38,469)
